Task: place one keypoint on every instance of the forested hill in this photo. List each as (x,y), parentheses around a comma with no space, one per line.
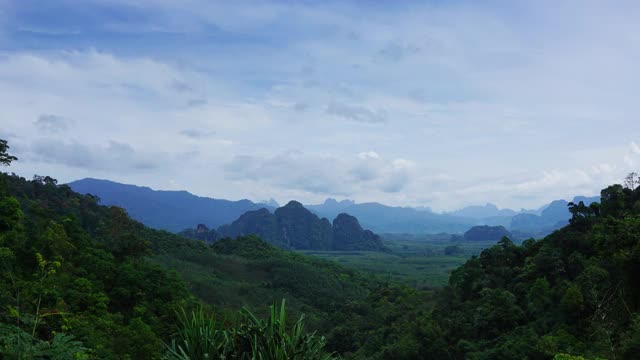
(70,267)
(82,280)
(165,210)
(553,216)
(574,292)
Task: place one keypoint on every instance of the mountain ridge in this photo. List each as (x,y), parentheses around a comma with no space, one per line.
(171,210)
(293,226)
(176,211)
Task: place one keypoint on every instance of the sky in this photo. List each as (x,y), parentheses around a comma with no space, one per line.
(432,103)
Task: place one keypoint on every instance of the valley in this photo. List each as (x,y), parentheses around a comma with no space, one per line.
(421,264)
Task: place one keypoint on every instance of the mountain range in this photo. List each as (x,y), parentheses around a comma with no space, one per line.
(394,219)
(552,217)
(166,210)
(178,210)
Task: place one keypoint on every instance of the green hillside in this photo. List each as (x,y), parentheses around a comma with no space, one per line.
(73,267)
(70,266)
(574,292)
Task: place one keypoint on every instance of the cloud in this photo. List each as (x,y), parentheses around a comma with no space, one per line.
(323,174)
(52,123)
(628,161)
(369,155)
(395,52)
(181,86)
(197,134)
(114,156)
(400,175)
(300,107)
(197,102)
(290,169)
(357,113)
(274,76)
(88,73)
(395,183)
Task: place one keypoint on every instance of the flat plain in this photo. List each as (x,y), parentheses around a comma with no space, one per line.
(417,261)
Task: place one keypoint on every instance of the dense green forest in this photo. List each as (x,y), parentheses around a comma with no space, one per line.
(72,267)
(81,280)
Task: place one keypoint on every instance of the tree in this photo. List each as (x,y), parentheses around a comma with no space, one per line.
(10,214)
(582,215)
(5,158)
(540,296)
(572,301)
(632,181)
(45,180)
(612,201)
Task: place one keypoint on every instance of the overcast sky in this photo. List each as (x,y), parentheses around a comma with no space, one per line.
(437,103)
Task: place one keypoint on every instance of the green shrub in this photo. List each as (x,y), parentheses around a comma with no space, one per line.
(198,338)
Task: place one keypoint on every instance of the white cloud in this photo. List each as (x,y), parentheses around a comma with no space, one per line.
(114,156)
(357,113)
(369,155)
(325,175)
(49,123)
(455,115)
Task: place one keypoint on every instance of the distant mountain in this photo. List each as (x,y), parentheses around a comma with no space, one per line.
(166,210)
(178,210)
(586,200)
(270,203)
(295,227)
(486,233)
(391,219)
(481,212)
(497,221)
(553,216)
(331,206)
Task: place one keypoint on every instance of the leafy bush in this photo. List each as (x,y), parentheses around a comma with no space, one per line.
(254,338)
(17,344)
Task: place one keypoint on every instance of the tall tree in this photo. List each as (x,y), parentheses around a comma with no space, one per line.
(5,158)
(632,181)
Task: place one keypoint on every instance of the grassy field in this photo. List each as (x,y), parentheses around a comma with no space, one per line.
(420,263)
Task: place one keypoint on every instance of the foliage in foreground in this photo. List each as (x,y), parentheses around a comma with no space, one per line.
(18,344)
(75,280)
(199,338)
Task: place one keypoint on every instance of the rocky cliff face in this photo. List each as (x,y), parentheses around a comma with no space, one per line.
(260,222)
(300,229)
(202,233)
(349,235)
(294,227)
